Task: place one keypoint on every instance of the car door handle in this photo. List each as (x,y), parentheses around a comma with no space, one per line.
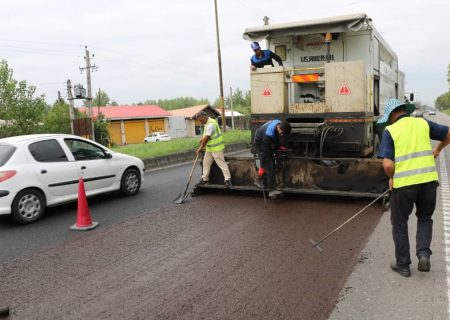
(83,167)
(43,171)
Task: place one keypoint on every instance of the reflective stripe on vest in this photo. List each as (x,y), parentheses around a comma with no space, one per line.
(215,142)
(414,160)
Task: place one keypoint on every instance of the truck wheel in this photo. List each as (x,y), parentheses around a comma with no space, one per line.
(131,182)
(28,206)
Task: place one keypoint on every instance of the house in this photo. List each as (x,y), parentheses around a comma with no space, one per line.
(131,124)
(234,119)
(193,126)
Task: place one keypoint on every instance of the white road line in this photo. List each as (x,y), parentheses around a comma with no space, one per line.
(445,192)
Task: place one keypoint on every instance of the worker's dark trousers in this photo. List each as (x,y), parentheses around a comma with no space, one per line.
(267,162)
(403,200)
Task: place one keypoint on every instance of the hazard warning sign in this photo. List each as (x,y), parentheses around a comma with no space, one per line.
(344,89)
(267,92)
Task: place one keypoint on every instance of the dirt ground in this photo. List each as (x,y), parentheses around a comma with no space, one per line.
(213,257)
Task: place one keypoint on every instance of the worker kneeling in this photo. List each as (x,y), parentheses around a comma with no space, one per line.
(270,141)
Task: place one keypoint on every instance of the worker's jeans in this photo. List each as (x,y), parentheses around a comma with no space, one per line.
(268,163)
(219,158)
(403,199)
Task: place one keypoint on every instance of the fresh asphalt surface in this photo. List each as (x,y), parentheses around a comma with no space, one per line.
(159,189)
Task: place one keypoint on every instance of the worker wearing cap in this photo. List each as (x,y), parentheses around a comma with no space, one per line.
(263,58)
(212,141)
(269,139)
(408,160)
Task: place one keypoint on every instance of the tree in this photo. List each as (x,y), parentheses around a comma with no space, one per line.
(101,130)
(177,103)
(101,99)
(57,119)
(443,101)
(241,101)
(20,111)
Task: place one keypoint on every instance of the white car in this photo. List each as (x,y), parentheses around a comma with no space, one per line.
(43,170)
(157,136)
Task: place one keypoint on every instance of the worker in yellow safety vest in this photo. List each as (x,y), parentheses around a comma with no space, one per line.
(409,162)
(212,141)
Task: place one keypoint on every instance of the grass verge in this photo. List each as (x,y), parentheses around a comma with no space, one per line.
(158,149)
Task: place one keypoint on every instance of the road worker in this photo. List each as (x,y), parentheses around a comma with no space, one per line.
(212,141)
(263,58)
(408,160)
(270,140)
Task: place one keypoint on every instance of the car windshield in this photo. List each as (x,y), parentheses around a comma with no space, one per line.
(6,151)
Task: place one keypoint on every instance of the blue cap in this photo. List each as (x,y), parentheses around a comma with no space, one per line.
(391,105)
(255,46)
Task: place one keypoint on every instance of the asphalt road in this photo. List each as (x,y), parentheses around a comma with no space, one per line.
(159,189)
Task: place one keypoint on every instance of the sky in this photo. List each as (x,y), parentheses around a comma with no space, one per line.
(167,49)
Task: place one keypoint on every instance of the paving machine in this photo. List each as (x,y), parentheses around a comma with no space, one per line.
(336,77)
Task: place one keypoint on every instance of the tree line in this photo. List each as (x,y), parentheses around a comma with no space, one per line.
(443,101)
(22,111)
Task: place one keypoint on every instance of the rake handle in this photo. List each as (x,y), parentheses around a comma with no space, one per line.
(190,174)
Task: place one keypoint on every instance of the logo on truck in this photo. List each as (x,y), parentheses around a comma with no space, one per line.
(267,92)
(344,89)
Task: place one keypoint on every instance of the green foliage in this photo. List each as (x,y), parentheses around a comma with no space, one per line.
(101,130)
(20,111)
(443,101)
(157,149)
(101,99)
(241,101)
(57,118)
(177,103)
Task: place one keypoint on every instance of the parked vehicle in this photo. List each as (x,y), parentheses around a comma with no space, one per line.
(157,136)
(417,113)
(43,170)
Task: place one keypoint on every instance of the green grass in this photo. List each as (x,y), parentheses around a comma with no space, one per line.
(157,149)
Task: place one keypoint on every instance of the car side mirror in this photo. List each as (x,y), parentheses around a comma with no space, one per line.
(108,155)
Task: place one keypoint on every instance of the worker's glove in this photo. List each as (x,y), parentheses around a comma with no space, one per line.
(261,172)
(282,149)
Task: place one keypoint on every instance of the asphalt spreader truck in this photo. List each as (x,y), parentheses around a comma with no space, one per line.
(337,75)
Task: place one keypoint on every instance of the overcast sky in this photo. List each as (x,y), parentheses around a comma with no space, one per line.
(167,49)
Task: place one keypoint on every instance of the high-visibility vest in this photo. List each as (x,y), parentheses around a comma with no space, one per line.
(215,142)
(414,160)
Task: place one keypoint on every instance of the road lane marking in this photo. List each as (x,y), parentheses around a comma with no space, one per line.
(445,192)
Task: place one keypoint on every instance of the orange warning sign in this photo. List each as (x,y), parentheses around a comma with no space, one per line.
(267,92)
(344,89)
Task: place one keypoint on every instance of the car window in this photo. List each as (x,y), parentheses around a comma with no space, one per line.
(83,150)
(47,151)
(6,151)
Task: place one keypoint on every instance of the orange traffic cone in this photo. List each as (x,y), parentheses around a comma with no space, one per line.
(84,221)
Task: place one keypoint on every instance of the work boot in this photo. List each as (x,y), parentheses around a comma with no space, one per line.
(228,183)
(258,183)
(275,194)
(402,270)
(203,182)
(424,264)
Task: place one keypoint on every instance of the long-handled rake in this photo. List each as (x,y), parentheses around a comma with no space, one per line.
(316,243)
(185,194)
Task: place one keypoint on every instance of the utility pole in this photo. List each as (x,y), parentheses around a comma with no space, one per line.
(231,107)
(88,68)
(70,98)
(98,103)
(220,69)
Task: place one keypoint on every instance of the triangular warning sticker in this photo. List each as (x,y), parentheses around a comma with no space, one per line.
(267,92)
(344,89)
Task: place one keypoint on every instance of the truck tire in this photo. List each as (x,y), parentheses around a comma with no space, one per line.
(28,206)
(131,182)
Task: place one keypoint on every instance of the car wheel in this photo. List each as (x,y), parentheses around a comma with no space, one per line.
(131,182)
(28,206)
(157,140)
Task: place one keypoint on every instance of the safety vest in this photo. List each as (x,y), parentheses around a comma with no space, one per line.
(414,160)
(215,142)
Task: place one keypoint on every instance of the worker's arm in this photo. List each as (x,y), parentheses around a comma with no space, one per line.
(276,58)
(203,143)
(441,145)
(389,168)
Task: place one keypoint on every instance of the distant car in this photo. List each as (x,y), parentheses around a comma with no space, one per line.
(37,171)
(157,136)
(431,112)
(417,113)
